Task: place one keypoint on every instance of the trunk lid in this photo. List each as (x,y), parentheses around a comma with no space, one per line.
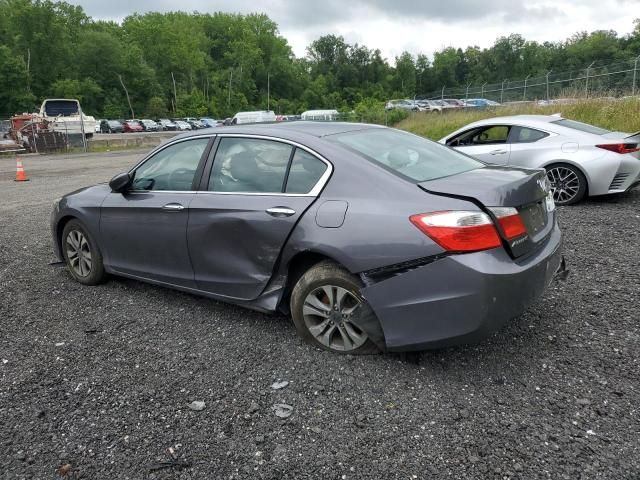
(525,190)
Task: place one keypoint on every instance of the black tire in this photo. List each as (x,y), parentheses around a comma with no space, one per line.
(95,274)
(330,275)
(560,196)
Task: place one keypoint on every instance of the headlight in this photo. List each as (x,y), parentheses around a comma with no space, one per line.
(56,204)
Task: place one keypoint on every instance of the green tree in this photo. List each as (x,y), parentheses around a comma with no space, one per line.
(14,94)
(156,107)
(405,75)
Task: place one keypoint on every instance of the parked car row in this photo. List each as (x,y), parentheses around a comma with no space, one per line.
(159,125)
(439,105)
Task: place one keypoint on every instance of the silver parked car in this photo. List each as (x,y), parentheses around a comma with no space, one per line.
(370,238)
(580,159)
(403,105)
(431,105)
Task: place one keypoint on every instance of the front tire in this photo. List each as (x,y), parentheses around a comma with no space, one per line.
(568,183)
(324,304)
(81,254)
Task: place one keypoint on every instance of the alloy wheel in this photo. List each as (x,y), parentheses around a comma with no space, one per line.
(565,184)
(328,313)
(78,253)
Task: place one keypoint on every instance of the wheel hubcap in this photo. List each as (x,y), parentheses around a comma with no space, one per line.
(565,184)
(328,313)
(78,253)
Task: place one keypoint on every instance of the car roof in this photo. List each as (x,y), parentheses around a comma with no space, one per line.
(290,130)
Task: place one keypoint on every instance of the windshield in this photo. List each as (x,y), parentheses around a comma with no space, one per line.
(407,155)
(583,127)
(53,108)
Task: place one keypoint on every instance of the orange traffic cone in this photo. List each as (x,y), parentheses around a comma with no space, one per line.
(21,176)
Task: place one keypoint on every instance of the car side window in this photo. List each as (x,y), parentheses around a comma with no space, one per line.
(304,173)
(461,139)
(172,168)
(492,135)
(250,165)
(525,135)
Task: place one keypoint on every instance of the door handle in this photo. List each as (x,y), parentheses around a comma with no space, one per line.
(173,207)
(498,152)
(280,212)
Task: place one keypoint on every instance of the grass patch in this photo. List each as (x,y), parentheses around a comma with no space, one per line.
(613,114)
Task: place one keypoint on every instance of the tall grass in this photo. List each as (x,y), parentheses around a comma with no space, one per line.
(613,114)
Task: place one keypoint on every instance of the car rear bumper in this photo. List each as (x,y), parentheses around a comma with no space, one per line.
(460,298)
(613,173)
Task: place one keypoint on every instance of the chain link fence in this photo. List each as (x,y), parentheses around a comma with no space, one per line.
(30,133)
(615,80)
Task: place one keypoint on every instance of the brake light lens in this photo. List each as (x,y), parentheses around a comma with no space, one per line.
(510,221)
(466,231)
(621,148)
(459,231)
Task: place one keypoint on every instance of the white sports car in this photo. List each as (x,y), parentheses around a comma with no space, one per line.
(580,159)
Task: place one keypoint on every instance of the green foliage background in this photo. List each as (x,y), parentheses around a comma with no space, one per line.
(222,63)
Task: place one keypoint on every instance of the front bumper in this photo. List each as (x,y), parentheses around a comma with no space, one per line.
(461,298)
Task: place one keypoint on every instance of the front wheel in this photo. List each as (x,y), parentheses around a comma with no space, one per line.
(568,183)
(328,310)
(81,254)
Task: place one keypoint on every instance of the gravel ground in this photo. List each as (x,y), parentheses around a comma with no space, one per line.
(98,381)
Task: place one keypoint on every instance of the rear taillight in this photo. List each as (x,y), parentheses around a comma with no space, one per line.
(621,148)
(466,231)
(510,222)
(459,231)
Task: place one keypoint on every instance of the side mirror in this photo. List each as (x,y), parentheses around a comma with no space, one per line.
(120,182)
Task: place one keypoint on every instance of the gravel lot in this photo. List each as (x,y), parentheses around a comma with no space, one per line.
(101,378)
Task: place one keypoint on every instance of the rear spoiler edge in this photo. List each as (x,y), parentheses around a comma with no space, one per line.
(634,136)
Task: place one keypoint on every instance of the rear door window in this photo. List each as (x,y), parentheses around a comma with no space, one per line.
(250,165)
(306,170)
(525,135)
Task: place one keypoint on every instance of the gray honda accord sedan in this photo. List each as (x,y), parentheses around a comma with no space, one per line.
(369,237)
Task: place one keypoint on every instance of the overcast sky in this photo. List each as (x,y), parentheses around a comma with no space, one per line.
(419,26)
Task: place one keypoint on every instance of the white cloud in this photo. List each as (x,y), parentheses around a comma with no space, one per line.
(417,26)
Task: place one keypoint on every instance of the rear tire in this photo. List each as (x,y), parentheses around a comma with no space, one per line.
(81,254)
(323,304)
(568,183)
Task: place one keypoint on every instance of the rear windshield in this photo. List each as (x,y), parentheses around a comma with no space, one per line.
(583,127)
(405,154)
(66,108)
